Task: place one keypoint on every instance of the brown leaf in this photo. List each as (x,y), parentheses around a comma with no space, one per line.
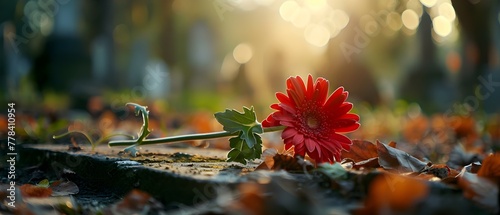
(392,144)
(393,194)
(267,156)
(493,127)
(415,128)
(479,189)
(136,202)
(64,188)
(285,162)
(367,164)
(454,175)
(459,158)
(491,167)
(395,159)
(439,170)
(29,190)
(361,150)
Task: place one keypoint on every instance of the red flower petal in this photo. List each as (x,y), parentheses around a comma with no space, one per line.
(312,119)
(298,138)
(288,133)
(310,144)
(336,99)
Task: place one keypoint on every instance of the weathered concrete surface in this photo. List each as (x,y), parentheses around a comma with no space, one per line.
(182,177)
(172,175)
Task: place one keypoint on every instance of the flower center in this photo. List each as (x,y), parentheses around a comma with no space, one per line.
(312,122)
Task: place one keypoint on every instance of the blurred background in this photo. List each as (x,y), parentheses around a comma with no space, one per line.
(408,64)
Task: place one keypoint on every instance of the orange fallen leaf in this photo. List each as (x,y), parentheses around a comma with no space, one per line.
(361,150)
(491,167)
(393,194)
(367,164)
(135,202)
(276,161)
(493,127)
(251,200)
(392,144)
(415,128)
(29,190)
(465,128)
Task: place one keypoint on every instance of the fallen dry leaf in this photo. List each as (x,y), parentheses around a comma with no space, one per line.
(367,164)
(459,158)
(439,170)
(392,144)
(493,127)
(276,161)
(136,202)
(415,128)
(481,190)
(64,188)
(395,159)
(491,167)
(394,194)
(361,150)
(465,128)
(30,190)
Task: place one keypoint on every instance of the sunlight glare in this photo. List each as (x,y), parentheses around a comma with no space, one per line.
(428,3)
(242,53)
(317,35)
(341,18)
(289,9)
(316,5)
(442,26)
(301,19)
(410,19)
(446,10)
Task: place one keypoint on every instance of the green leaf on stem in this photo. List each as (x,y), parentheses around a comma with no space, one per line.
(248,144)
(246,123)
(240,151)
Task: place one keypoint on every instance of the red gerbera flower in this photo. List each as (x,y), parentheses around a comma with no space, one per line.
(312,120)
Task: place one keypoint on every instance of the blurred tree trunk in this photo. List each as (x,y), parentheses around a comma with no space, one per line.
(427,83)
(475,18)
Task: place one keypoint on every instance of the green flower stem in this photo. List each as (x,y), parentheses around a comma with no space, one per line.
(187,137)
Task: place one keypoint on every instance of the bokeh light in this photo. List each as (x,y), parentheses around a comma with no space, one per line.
(289,9)
(242,53)
(442,26)
(446,10)
(410,19)
(393,20)
(428,3)
(317,35)
(301,19)
(416,6)
(316,5)
(341,18)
